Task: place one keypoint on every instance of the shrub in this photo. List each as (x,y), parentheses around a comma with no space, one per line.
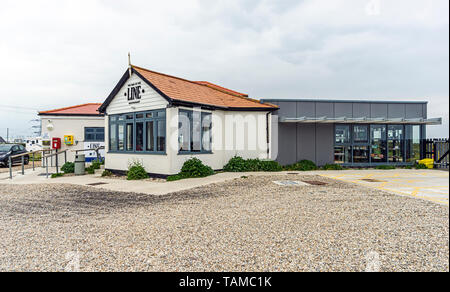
(192,168)
(96,164)
(68,167)
(107,173)
(195,168)
(136,171)
(421,166)
(408,167)
(304,165)
(332,167)
(55,175)
(385,167)
(238,164)
(90,170)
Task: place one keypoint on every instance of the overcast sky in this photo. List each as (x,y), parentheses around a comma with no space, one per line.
(62,53)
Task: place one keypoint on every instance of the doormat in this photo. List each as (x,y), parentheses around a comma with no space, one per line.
(97,184)
(315,182)
(290,183)
(372,180)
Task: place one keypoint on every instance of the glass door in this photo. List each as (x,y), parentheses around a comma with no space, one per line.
(378,144)
(396,143)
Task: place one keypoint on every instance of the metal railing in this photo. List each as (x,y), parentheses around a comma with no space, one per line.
(22,156)
(56,155)
(438,150)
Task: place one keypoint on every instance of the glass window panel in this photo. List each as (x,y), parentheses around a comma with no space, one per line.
(139,116)
(121,136)
(395,143)
(129,117)
(150,136)
(161,138)
(342,134)
(342,154)
(129,137)
(139,136)
(206,132)
(161,114)
(113,118)
(360,154)
(184,131)
(360,134)
(113,137)
(379,144)
(196,132)
(149,115)
(412,143)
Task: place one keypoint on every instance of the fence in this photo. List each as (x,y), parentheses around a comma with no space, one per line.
(438,150)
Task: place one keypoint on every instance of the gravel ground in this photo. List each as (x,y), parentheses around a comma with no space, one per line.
(249,224)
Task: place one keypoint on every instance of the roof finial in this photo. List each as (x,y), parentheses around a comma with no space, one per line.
(129,63)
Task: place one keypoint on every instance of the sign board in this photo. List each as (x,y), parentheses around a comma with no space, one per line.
(134,91)
(92,155)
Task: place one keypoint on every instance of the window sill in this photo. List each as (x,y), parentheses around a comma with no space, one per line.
(195,153)
(138,153)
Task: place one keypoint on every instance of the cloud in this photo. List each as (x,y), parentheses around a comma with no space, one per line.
(59,53)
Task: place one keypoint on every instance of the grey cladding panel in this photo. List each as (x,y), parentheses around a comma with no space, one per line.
(287,109)
(287,146)
(379,110)
(324,144)
(414,111)
(361,110)
(396,110)
(306,109)
(343,109)
(324,109)
(306,140)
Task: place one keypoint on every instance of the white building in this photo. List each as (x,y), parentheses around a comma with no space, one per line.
(82,122)
(162,121)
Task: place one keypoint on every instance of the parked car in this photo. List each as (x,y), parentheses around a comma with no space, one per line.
(7,150)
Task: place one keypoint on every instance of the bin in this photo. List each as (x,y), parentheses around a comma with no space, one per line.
(427,162)
(80,166)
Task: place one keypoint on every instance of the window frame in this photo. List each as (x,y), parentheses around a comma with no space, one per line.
(190,114)
(95,133)
(156,116)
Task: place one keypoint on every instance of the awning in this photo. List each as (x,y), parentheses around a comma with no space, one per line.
(362,120)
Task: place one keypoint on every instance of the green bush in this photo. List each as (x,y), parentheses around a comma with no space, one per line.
(332,167)
(55,175)
(421,166)
(238,164)
(304,165)
(195,168)
(136,171)
(96,164)
(68,167)
(386,167)
(409,167)
(90,170)
(107,173)
(192,168)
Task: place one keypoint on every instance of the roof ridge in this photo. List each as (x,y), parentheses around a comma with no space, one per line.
(167,75)
(70,107)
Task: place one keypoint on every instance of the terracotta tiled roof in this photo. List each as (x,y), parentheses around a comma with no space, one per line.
(200,92)
(82,109)
(220,88)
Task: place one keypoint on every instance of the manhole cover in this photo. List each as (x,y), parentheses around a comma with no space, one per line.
(97,184)
(289,183)
(315,182)
(372,180)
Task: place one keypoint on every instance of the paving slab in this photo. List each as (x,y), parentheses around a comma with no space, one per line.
(431,185)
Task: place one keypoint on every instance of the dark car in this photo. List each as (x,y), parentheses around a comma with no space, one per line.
(7,150)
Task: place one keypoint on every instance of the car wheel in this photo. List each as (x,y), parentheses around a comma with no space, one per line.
(26,160)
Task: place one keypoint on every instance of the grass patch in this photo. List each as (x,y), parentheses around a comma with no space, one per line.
(304,165)
(385,167)
(55,175)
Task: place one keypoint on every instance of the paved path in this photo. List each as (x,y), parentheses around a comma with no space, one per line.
(431,185)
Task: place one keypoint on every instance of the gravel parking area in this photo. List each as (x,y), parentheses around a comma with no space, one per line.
(249,224)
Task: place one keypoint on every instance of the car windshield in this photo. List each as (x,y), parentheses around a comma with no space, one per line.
(5,148)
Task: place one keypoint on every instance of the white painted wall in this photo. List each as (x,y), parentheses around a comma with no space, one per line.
(150,99)
(69,125)
(233,133)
